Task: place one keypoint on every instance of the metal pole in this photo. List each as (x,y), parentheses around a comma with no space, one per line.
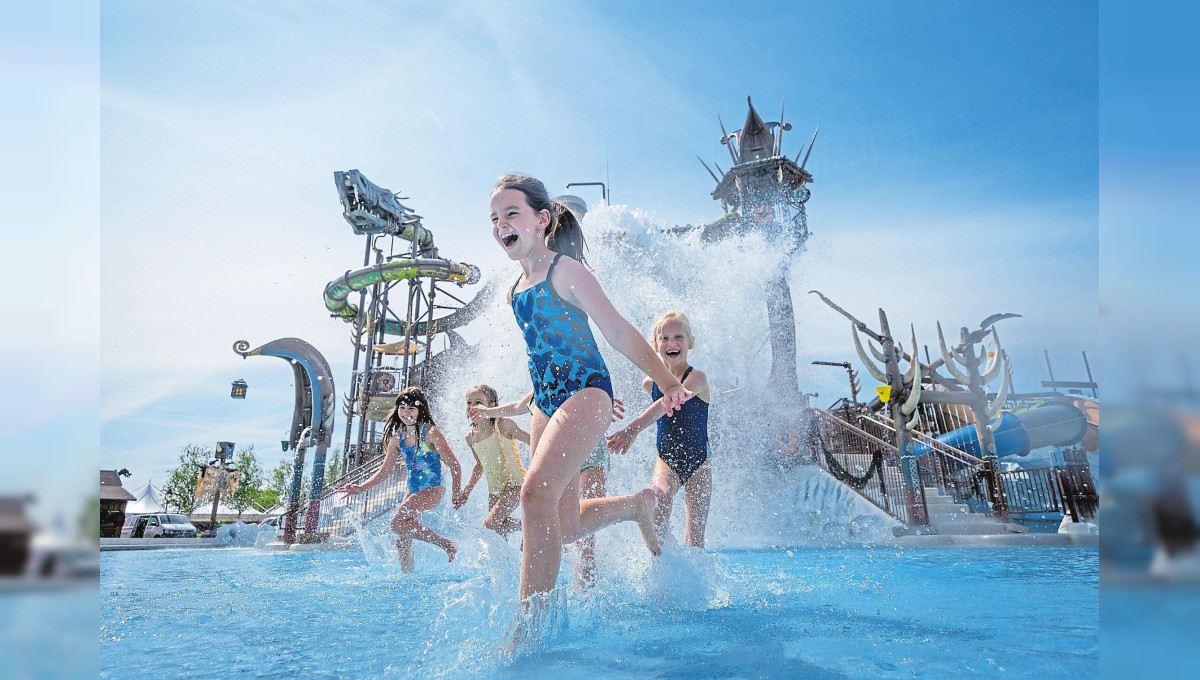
(1092,380)
(212,520)
(1050,370)
(914,492)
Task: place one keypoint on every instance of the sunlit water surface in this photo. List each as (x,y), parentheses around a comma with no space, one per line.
(810,612)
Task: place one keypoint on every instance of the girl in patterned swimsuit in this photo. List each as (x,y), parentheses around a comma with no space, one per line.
(683,437)
(493,441)
(410,431)
(553,301)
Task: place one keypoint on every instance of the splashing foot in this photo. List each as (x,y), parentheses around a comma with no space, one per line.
(646,501)
(451,551)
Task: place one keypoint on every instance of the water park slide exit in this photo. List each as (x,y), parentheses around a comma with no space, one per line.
(1056,423)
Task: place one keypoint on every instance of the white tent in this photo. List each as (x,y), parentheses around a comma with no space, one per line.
(149,501)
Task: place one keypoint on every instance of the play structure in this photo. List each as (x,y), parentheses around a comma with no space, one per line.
(928,448)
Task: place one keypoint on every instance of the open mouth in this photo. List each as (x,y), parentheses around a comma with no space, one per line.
(508,240)
(672,352)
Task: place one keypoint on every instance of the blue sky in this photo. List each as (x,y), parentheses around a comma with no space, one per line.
(963,136)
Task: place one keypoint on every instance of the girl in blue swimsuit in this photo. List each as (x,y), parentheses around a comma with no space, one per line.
(553,301)
(682,438)
(411,432)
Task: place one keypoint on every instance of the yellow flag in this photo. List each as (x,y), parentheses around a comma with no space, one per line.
(884,392)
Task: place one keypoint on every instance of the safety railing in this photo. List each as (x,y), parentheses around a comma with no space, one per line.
(867,463)
(952,471)
(339,512)
(1031,491)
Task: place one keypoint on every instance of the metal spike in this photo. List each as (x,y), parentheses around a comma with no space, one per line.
(727,141)
(810,146)
(710,172)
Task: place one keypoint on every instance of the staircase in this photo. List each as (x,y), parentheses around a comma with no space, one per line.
(948,517)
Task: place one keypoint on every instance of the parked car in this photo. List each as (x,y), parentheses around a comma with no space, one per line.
(161,525)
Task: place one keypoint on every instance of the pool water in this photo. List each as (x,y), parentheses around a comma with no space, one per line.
(841,612)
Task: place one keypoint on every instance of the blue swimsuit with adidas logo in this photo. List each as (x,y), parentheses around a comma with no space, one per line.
(563,356)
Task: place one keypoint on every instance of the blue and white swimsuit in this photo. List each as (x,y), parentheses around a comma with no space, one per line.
(563,356)
(424,464)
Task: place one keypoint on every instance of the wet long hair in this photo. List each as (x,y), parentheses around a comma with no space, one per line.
(409,396)
(565,234)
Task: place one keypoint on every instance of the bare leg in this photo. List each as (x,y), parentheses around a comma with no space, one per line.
(697,494)
(593,482)
(406,524)
(499,518)
(560,446)
(405,552)
(666,481)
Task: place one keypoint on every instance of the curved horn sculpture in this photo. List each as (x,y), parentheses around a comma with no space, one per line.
(914,398)
(913,375)
(912,423)
(877,353)
(862,354)
(948,360)
(993,370)
(1002,394)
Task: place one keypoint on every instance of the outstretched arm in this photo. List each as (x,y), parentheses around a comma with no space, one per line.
(619,442)
(390,448)
(577,285)
(519,407)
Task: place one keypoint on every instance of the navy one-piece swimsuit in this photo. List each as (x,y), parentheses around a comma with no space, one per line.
(563,356)
(683,437)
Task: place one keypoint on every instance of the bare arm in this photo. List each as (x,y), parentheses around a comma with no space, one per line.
(577,285)
(390,448)
(476,473)
(516,408)
(439,444)
(511,430)
(619,442)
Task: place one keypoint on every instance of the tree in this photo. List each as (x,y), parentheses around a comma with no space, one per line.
(181,481)
(250,482)
(89,523)
(333,465)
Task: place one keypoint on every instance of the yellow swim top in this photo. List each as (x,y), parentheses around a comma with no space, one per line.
(501,463)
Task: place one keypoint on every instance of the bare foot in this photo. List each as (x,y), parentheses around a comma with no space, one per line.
(451,551)
(646,500)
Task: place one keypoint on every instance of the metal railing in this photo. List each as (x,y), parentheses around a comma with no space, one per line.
(952,471)
(1031,491)
(339,512)
(854,449)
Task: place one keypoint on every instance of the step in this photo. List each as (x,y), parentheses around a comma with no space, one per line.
(978,528)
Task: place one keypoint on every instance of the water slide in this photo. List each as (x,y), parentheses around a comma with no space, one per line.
(1056,423)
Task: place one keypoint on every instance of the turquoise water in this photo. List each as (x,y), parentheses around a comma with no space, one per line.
(820,613)
(48,635)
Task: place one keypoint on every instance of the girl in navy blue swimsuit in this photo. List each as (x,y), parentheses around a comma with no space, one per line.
(682,438)
(553,301)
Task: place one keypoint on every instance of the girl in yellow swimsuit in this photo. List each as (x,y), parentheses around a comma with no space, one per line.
(494,443)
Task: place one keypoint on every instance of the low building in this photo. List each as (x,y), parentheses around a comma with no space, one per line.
(15,529)
(113,498)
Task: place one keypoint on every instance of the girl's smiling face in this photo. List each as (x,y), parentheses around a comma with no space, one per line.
(517,227)
(671,343)
(407,414)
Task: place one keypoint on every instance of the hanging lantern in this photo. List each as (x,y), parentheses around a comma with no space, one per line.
(239,389)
